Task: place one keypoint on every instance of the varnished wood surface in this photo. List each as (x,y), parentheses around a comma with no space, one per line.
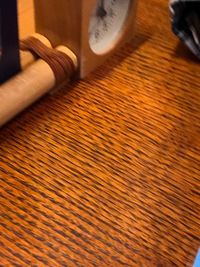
(106,172)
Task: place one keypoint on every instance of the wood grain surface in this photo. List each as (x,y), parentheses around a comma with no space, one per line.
(106,172)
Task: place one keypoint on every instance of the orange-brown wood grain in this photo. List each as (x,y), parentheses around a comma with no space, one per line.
(106,172)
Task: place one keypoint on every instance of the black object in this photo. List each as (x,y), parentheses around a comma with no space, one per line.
(186,23)
(9,43)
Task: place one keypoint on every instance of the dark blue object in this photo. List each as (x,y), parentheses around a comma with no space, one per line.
(9,60)
(186,23)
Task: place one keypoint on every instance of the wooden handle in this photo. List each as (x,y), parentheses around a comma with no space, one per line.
(26,87)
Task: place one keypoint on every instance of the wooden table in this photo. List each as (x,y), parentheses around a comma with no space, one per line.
(106,172)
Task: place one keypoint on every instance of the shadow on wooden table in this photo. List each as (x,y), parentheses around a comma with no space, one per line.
(115,60)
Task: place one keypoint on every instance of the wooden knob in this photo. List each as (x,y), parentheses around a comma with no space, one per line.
(26,57)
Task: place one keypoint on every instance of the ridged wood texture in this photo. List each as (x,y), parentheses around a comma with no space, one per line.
(106,171)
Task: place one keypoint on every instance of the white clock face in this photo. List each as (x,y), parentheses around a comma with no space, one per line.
(106,23)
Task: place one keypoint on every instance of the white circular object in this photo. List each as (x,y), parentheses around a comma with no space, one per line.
(106,24)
